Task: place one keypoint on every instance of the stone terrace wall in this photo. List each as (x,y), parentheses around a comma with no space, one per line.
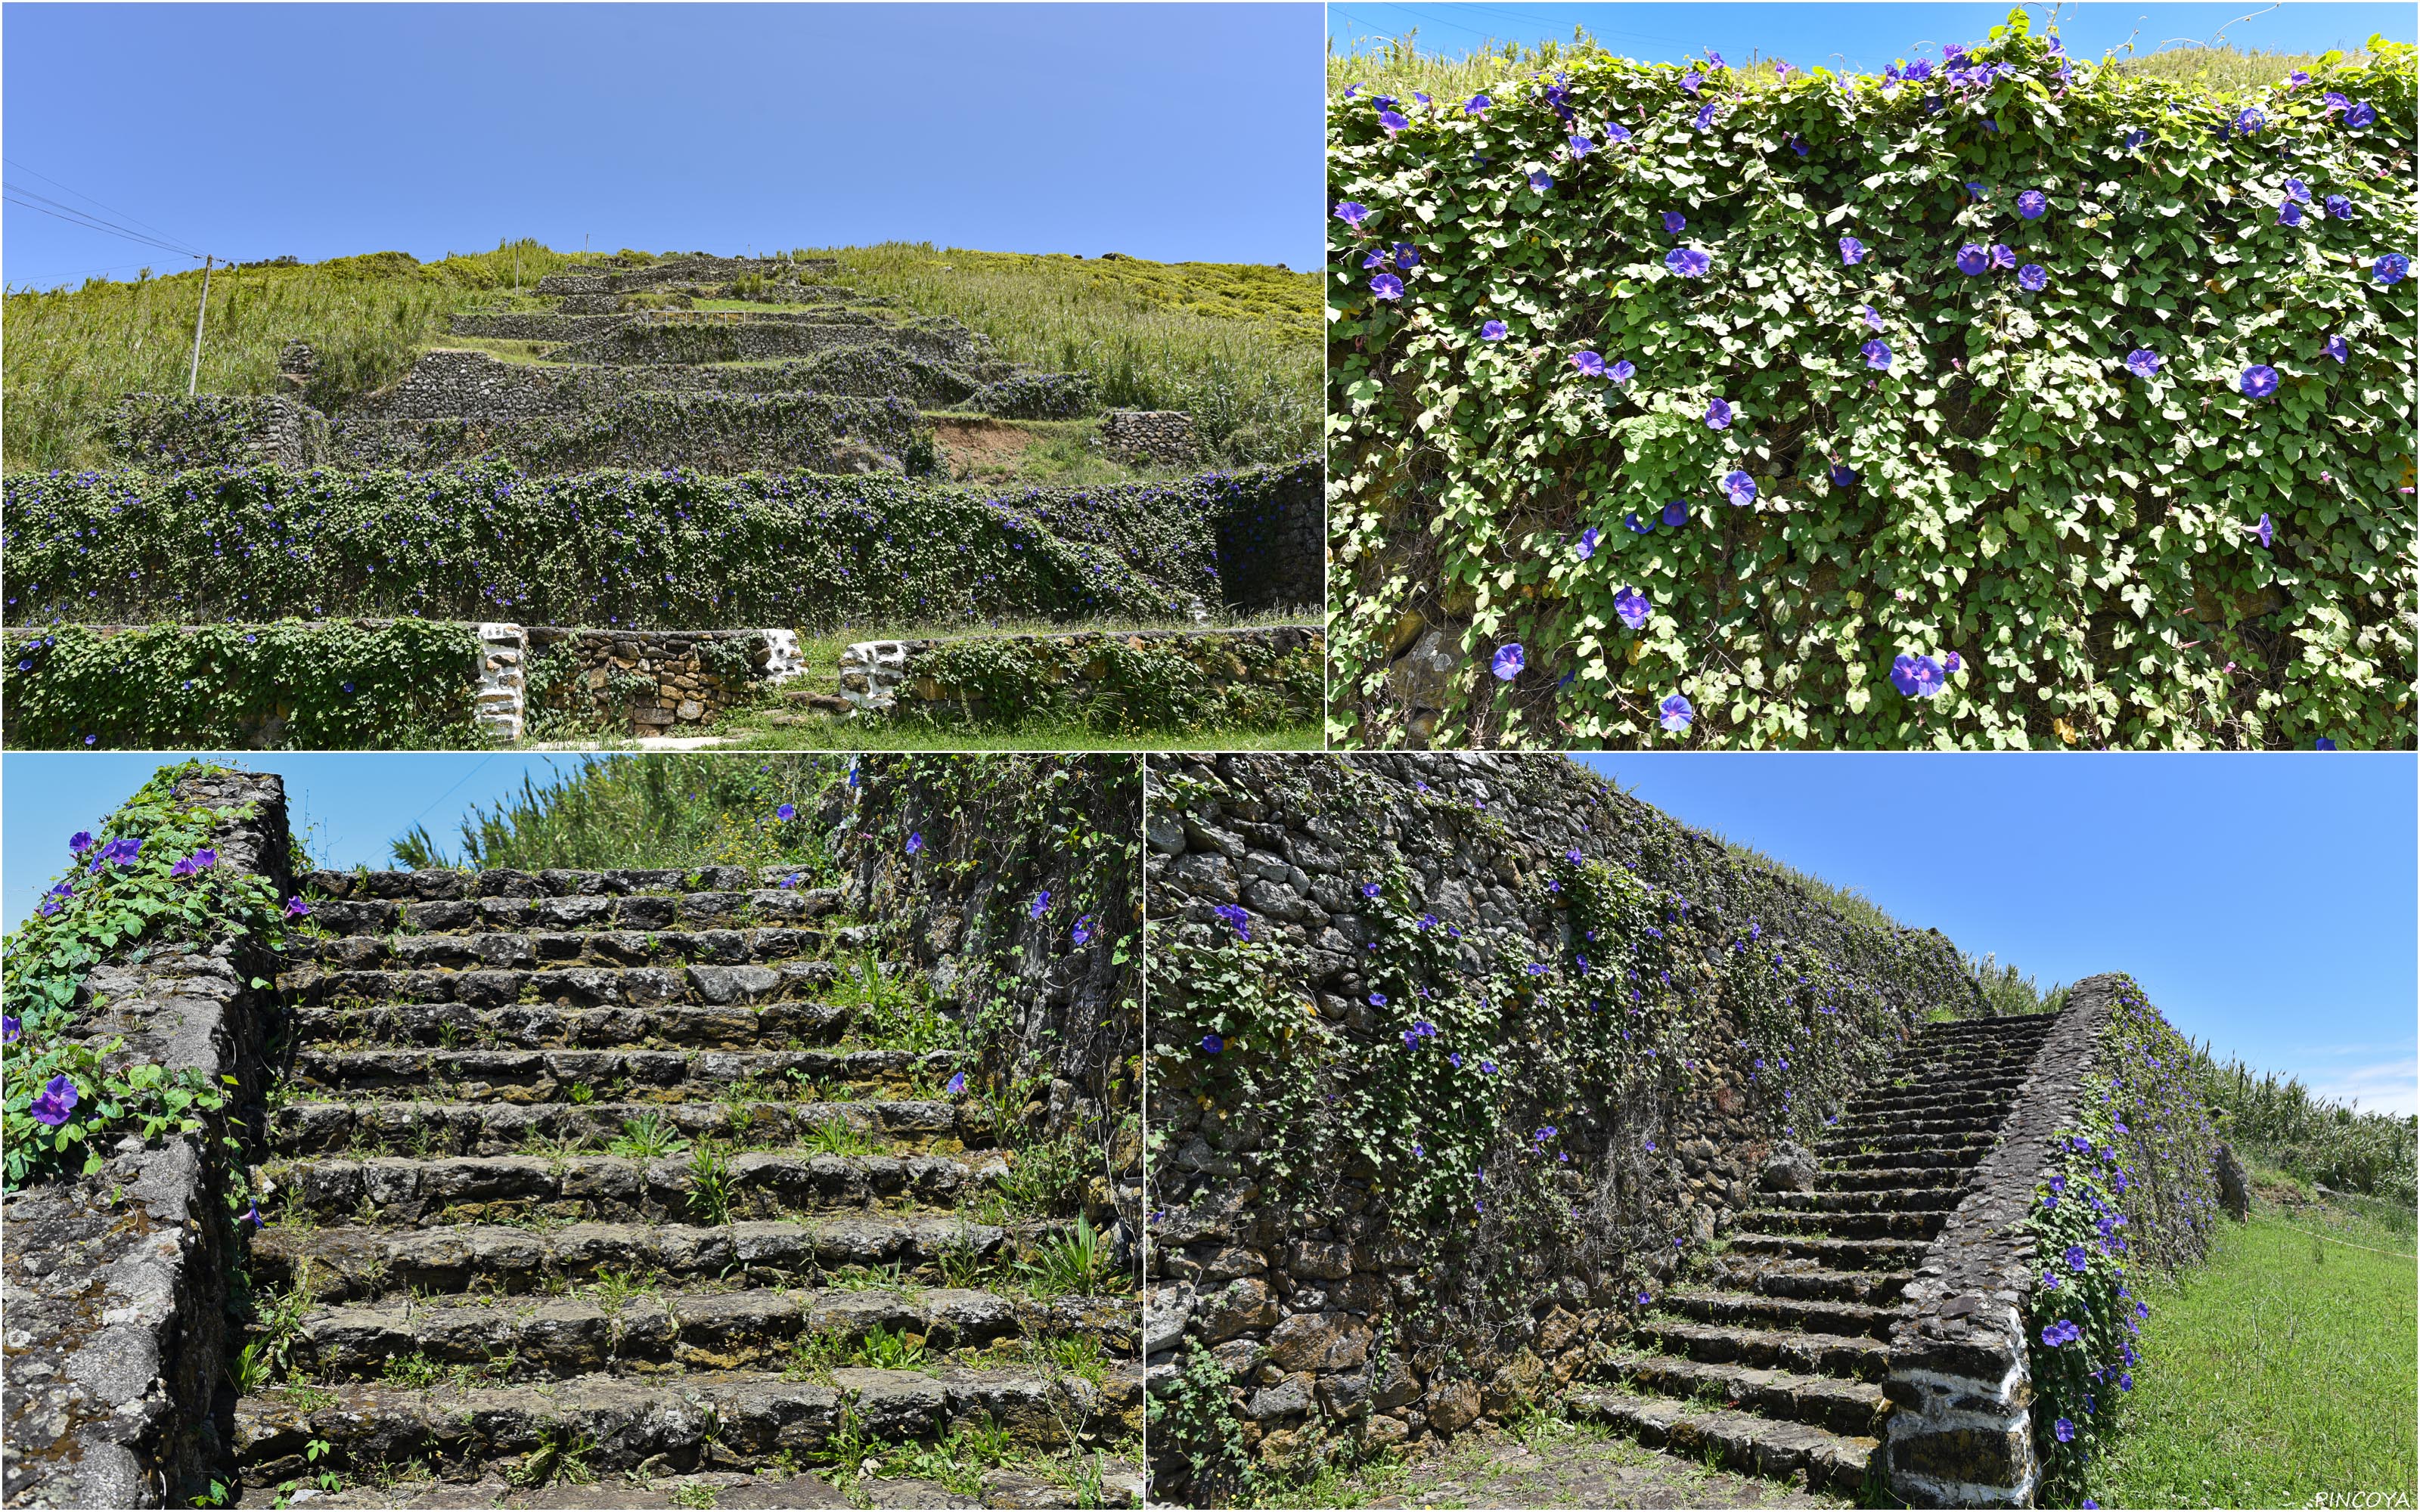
(1161,435)
(1276,666)
(118,1282)
(1276,556)
(1961,1432)
(708,432)
(1333,1318)
(175,430)
(651,681)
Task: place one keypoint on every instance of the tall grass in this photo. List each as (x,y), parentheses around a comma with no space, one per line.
(2317,1138)
(1237,344)
(654,809)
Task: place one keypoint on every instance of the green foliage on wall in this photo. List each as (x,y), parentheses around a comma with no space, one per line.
(1915,460)
(2131,1188)
(705,432)
(1128,686)
(149,879)
(671,548)
(326,684)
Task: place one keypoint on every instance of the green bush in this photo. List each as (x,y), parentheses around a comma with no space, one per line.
(2082,537)
(330,684)
(481,542)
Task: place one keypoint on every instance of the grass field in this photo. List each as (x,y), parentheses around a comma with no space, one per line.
(1239,345)
(2280,1371)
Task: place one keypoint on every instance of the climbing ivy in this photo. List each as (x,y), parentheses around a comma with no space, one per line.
(330,684)
(2130,1187)
(1651,381)
(1119,684)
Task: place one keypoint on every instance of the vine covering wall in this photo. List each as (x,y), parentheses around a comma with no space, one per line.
(1123,683)
(2005,400)
(664,548)
(1454,1061)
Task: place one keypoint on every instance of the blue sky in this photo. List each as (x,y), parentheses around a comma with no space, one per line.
(1168,131)
(1863,36)
(2265,901)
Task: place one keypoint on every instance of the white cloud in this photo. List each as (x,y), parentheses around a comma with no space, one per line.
(2384,1086)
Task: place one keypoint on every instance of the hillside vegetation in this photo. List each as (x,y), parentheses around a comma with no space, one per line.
(1237,344)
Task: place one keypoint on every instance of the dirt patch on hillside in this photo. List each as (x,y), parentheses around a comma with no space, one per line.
(979,448)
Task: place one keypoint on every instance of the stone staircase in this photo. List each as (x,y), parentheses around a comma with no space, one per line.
(1774,1359)
(654,1184)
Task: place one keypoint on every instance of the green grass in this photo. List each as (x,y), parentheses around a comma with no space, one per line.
(2279,1371)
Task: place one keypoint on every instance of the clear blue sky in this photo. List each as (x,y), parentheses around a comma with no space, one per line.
(1168,131)
(1862,36)
(2265,901)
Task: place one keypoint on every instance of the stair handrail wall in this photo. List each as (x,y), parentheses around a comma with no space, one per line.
(1960,1430)
(109,1403)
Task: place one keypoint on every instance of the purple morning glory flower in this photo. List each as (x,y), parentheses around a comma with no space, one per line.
(786,812)
(2065,1429)
(2337,348)
(1950,663)
(251,1215)
(1486,1067)
(11,1028)
(2297,191)
(2003,255)
(2391,268)
(1387,286)
(1475,104)
(1676,512)
(1623,371)
(1493,330)
(2033,278)
(1541,180)
(2249,121)
(1509,663)
(2340,208)
(2075,1259)
(1632,605)
(2289,213)
(1872,319)
(1235,919)
(1852,252)
(1392,122)
(957,1085)
(2033,204)
(1918,677)
(1352,212)
(1739,489)
(1082,932)
(2142,361)
(1691,80)
(80,841)
(1674,221)
(1406,255)
(296,908)
(1676,716)
(1590,364)
(1586,546)
(1878,356)
(1582,147)
(1843,476)
(1212,1043)
(1616,131)
(1798,144)
(55,1104)
(1632,520)
(2297,79)
(2266,532)
(2360,115)
(915,841)
(1973,259)
(2259,380)
(1705,117)
(2323,743)
(1689,262)
(1041,904)
(1718,415)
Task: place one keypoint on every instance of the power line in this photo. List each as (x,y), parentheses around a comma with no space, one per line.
(82,196)
(75,217)
(97,222)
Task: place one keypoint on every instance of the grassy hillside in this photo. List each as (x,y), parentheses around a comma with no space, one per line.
(1237,344)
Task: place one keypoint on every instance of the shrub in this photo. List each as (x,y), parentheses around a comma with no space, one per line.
(2083,538)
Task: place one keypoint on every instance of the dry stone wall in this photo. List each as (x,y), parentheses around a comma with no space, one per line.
(1161,435)
(1278,671)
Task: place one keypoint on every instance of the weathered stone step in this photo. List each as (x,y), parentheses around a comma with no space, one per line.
(1855,1408)
(624,1075)
(1841,1254)
(1950,1080)
(1920,1225)
(539,1337)
(357,1263)
(767,1486)
(1856,1131)
(1874,1142)
(1809,1280)
(1957,1159)
(1868,1199)
(1915,1104)
(1950,1179)
(1748,1445)
(1849,1356)
(470,1189)
(704,1419)
(1752,1309)
(636,986)
(2014,1026)
(430,1129)
(527,949)
(784,1026)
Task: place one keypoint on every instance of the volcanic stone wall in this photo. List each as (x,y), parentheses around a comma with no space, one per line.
(650,681)
(1324,1311)
(118,1282)
(1162,436)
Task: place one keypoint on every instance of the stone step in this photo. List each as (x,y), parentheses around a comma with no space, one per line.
(1748,1445)
(1916,1105)
(636,986)
(744,902)
(1853,1320)
(1951,1178)
(1854,1134)
(787,1026)
(1849,1356)
(1948,1080)
(527,949)
(1120,1482)
(472,1188)
(2006,1028)
(425,1129)
(342,1264)
(627,1075)
(1935,1199)
(723,1419)
(1917,1226)
(1812,1281)
(1835,1253)
(1855,1408)
(621,1332)
(1958,1159)
(1875,1143)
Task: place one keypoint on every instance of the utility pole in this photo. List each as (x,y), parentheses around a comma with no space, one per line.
(194,377)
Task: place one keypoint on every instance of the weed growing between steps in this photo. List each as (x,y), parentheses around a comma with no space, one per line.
(2131,1195)
(654,808)
(148,880)
(291,685)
